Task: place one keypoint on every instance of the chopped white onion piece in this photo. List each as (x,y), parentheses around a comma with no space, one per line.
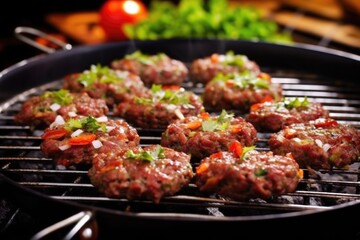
(96,144)
(55,106)
(59,120)
(77,133)
(72,114)
(102,119)
(179,114)
(110,128)
(171,107)
(319,143)
(298,140)
(64,147)
(326,147)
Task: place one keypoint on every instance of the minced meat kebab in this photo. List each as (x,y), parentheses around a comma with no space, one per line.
(165,105)
(242,173)
(238,91)
(323,143)
(153,68)
(148,173)
(205,134)
(204,69)
(76,140)
(272,116)
(103,82)
(41,111)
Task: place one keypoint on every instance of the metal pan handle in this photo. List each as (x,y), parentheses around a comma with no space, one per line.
(26,34)
(81,219)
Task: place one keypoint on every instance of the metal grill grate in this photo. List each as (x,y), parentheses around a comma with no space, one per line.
(22,161)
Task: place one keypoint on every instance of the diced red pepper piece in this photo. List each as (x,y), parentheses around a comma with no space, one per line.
(193,125)
(54,133)
(325,122)
(83,139)
(214,58)
(236,148)
(216,155)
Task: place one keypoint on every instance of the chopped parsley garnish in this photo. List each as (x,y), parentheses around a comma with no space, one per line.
(296,103)
(165,96)
(144,155)
(232,59)
(221,123)
(89,124)
(61,97)
(98,73)
(261,172)
(243,80)
(246,150)
(144,58)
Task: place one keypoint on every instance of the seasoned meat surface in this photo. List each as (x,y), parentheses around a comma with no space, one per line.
(149,173)
(41,111)
(319,144)
(205,134)
(164,106)
(272,116)
(252,174)
(204,69)
(153,69)
(78,139)
(239,91)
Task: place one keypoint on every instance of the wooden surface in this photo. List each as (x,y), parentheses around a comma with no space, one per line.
(321,18)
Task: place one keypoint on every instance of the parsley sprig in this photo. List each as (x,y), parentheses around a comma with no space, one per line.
(98,73)
(243,80)
(145,58)
(88,124)
(145,155)
(220,123)
(62,96)
(296,103)
(165,96)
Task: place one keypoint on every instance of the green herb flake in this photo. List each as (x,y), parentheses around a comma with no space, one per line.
(144,155)
(296,103)
(261,172)
(89,124)
(98,73)
(245,151)
(61,97)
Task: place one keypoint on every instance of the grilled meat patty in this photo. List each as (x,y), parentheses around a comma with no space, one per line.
(204,134)
(78,139)
(164,106)
(272,116)
(103,82)
(150,173)
(41,111)
(153,69)
(320,144)
(204,69)
(239,91)
(251,175)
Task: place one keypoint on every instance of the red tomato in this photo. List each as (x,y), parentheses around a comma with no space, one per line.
(115,13)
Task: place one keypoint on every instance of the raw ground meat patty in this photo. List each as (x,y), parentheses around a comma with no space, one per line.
(164,106)
(205,69)
(247,174)
(272,116)
(103,82)
(42,110)
(204,134)
(149,173)
(153,69)
(239,91)
(78,139)
(319,144)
